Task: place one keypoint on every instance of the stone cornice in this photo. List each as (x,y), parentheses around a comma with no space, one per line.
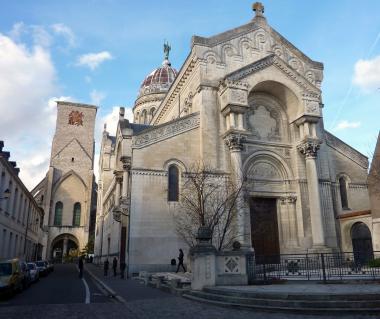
(281,65)
(183,74)
(166,130)
(154,97)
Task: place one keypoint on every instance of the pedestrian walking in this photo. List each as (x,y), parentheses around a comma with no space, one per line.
(80,266)
(105,267)
(114,266)
(180,261)
(122,269)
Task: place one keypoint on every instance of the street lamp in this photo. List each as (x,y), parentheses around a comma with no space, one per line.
(6,194)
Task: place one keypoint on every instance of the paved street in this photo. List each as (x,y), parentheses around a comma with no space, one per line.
(63,295)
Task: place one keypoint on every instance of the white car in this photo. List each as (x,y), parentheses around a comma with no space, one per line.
(34,272)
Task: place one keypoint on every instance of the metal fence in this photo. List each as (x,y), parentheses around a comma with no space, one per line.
(313,266)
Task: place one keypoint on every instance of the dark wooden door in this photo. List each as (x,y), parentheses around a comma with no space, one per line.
(264,230)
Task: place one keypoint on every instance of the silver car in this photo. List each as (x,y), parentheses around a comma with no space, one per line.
(34,272)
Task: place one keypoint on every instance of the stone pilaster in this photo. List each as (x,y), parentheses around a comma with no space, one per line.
(309,147)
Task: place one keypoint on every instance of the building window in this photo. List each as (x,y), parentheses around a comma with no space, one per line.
(144,117)
(343,193)
(76,214)
(173,181)
(58,214)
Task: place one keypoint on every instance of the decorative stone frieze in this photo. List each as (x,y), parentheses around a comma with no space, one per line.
(280,64)
(165,131)
(235,141)
(309,147)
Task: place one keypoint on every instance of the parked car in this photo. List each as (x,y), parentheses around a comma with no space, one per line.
(50,265)
(42,268)
(11,277)
(34,272)
(27,279)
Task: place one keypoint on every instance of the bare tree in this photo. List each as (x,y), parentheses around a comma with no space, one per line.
(208,198)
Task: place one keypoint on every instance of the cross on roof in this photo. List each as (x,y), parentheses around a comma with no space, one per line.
(258,7)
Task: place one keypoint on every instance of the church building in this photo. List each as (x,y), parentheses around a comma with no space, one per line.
(245,100)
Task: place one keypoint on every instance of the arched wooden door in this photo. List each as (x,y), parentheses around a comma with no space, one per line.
(361,243)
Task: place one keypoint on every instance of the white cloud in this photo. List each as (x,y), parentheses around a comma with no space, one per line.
(97,97)
(43,36)
(66,32)
(93,60)
(367,74)
(342,125)
(27,81)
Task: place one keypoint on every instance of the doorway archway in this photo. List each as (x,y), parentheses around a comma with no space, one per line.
(361,242)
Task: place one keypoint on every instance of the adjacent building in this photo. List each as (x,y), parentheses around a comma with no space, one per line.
(374,193)
(20,215)
(67,193)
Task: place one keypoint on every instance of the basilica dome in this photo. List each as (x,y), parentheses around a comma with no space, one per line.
(159,80)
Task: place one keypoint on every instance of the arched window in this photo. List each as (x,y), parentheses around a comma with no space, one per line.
(173,183)
(144,117)
(58,214)
(137,118)
(76,214)
(343,192)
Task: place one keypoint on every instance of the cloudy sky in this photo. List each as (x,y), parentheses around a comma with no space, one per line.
(99,52)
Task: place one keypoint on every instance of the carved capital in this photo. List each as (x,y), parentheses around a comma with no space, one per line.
(234,141)
(291,199)
(127,162)
(309,147)
(118,176)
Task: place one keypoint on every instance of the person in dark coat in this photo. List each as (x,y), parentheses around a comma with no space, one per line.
(122,269)
(105,267)
(80,266)
(114,266)
(180,261)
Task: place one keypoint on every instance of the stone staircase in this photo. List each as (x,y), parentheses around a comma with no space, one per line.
(364,303)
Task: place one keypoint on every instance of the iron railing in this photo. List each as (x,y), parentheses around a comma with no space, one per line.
(315,266)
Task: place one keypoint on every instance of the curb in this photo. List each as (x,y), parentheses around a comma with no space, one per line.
(111,292)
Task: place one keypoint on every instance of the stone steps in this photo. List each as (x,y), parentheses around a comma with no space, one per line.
(280,302)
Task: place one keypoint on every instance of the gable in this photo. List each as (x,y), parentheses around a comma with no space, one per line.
(73,152)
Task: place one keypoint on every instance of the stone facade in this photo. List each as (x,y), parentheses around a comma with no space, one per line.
(66,193)
(248,102)
(374,193)
(20,216)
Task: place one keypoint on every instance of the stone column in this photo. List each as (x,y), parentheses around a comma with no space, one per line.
(293,234)
(118,179)
(126,160)
(309,148)
(65,244)
(234,142)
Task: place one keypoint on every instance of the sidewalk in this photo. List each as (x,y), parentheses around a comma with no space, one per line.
(124,290)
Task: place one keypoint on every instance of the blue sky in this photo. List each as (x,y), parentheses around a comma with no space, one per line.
(100,51)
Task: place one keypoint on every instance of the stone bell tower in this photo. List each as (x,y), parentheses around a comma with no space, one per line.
(68,189)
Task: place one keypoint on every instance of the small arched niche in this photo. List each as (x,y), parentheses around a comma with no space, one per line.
(282,94)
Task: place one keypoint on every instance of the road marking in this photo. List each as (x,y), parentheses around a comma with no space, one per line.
(87,300)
